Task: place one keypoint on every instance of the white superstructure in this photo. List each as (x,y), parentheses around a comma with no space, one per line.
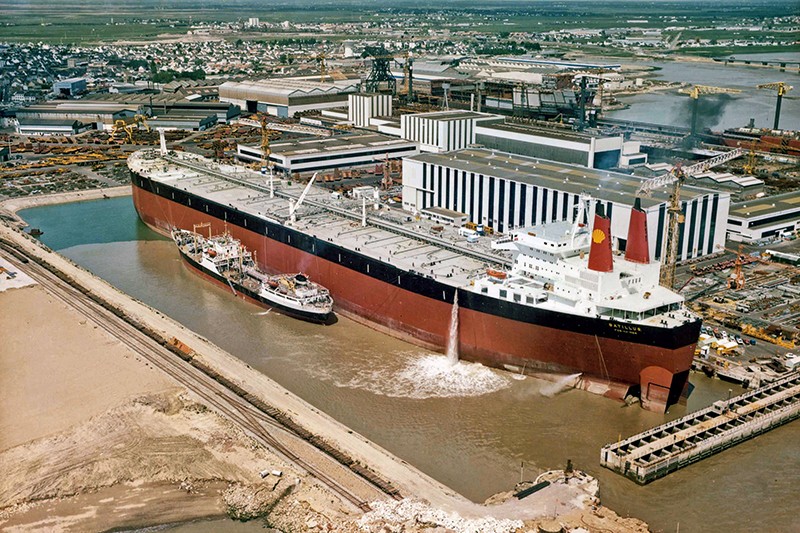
(550,270)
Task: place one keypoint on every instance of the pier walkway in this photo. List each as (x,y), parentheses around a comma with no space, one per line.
(668,447)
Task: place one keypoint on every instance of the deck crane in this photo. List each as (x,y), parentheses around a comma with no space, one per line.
(294,206)
(266,163)
(695,92)
(781,88)
(676,177)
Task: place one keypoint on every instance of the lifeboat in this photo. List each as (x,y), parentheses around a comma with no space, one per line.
(496,273)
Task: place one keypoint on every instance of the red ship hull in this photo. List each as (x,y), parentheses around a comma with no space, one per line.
(766,143)
(610,366)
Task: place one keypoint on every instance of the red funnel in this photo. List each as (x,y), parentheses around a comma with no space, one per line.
(637,249)
(600,258)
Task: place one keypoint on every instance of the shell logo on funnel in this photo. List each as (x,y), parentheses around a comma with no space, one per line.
(600,259)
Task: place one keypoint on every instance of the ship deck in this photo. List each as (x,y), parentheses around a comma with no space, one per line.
(391,235)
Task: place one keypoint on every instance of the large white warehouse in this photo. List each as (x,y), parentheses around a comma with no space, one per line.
(505,191)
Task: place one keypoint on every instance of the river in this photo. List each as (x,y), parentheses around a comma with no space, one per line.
(717,111)
(469,427)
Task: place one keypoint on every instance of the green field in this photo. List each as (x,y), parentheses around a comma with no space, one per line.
(86,21)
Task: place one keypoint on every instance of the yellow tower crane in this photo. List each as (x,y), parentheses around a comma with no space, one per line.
(676,177)
(695,92)
(321,58)
(781,88)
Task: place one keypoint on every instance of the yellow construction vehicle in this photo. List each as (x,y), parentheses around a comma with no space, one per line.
(763,334)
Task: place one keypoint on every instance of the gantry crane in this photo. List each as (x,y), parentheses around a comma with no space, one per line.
(380,72)
(675,177)
(695,93)
(781,88)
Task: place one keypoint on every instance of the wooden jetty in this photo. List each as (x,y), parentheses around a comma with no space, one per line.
(668,447)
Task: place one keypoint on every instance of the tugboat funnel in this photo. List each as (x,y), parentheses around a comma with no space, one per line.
(637,249)
(600,259)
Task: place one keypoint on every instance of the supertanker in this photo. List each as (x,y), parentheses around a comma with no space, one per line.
(548,298)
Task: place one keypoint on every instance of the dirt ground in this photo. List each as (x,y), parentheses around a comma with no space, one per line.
(57,369)
(94,438)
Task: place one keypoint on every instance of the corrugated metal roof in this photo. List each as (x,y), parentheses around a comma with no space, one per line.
(767,205)
(286,87)
(574,179)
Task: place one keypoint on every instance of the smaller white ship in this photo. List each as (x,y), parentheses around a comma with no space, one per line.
(226,261)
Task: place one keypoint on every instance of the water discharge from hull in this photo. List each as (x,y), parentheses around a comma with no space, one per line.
(418,375)
(452,334)
(563,383)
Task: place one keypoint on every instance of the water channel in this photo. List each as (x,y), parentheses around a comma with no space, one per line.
(717,111)
(465,425)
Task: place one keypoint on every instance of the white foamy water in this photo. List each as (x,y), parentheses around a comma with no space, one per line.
(563,383)
(426,375)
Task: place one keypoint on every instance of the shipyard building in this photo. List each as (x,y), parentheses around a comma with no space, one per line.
(38,119)
(444,131)
(362,107)
(286,97)
(505,191)
(765,218)
(69,87)
(101,112)
(561,144)
(322,153)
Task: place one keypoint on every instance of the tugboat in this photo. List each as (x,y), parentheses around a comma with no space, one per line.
(225,260)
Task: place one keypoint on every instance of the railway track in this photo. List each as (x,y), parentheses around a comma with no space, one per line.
(253,421)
